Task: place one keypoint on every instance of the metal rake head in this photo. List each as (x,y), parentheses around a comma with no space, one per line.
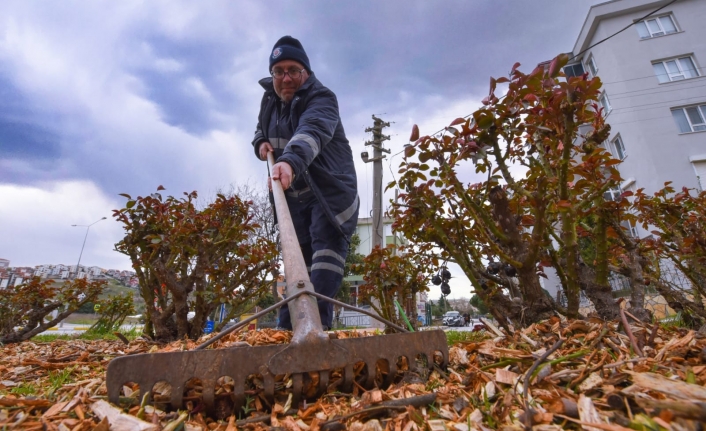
(364,362)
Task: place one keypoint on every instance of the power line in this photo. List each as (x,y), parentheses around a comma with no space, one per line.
(624,28)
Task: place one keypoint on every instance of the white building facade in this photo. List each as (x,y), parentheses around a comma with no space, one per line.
(654,91)
(654,80)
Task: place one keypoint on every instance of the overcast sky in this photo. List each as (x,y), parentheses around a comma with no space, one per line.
(99,98)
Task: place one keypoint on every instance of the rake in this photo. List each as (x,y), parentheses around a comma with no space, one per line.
(311,350)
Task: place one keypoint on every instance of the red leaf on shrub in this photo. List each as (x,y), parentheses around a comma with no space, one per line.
(415,133)
(556,65)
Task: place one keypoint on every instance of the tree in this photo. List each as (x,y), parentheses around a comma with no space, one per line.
(263,212)
(442,306)
(392,273)
(23,308)
(527,223)
(478,303)
(190,259)
(113,311)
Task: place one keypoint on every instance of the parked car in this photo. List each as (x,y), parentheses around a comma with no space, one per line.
(476,325)
(453,318)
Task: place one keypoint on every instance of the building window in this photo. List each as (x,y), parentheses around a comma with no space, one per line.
(591,66)
(605,103)
(613,194)
(632,230)
(617,148)
(573,70)
(655,27)
(675,69)
(690,119)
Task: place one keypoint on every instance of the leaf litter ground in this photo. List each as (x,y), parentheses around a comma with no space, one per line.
(553,375)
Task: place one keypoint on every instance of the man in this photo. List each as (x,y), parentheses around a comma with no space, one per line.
(299,121)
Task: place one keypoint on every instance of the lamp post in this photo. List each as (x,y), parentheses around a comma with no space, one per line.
(88,227)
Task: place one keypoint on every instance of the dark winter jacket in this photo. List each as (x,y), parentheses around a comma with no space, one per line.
(307,134)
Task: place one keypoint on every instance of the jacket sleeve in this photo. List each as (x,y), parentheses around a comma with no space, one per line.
(258,139)
(315,130)
(259,136)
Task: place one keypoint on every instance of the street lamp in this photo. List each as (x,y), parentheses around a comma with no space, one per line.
(88,227)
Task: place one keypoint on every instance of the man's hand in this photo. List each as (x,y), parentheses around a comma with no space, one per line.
(265,147)
(283,172)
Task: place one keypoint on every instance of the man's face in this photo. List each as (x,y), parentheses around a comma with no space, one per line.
(286,86)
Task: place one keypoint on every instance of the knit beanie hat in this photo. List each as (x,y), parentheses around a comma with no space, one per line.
(289,48)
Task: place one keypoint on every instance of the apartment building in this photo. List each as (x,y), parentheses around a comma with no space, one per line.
(654,93)
(654,83)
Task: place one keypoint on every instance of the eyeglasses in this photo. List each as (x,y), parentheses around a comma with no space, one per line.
(293,73)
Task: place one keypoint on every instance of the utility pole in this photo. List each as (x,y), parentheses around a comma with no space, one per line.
(378,150)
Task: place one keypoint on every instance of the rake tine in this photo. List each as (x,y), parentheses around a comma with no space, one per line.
(297,386)
(370,378)
(177,396)
(348,378)
(412,362)
(323,382)
(391,373)
(238,395)
(268,382)
(148,386)
(208,395)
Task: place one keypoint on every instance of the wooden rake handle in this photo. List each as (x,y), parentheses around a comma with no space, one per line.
(304,310)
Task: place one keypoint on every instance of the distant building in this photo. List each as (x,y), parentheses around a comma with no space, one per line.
(365,230)
(4,263)
(5,276)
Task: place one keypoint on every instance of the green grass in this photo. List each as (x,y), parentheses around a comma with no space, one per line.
(59,378)
(80,319)
(453,337)
(130,335)
(24,389)
(675,321)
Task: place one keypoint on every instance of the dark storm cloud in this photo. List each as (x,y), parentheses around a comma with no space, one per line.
(448,48)
(189,97)
(100,98)
(24,132)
